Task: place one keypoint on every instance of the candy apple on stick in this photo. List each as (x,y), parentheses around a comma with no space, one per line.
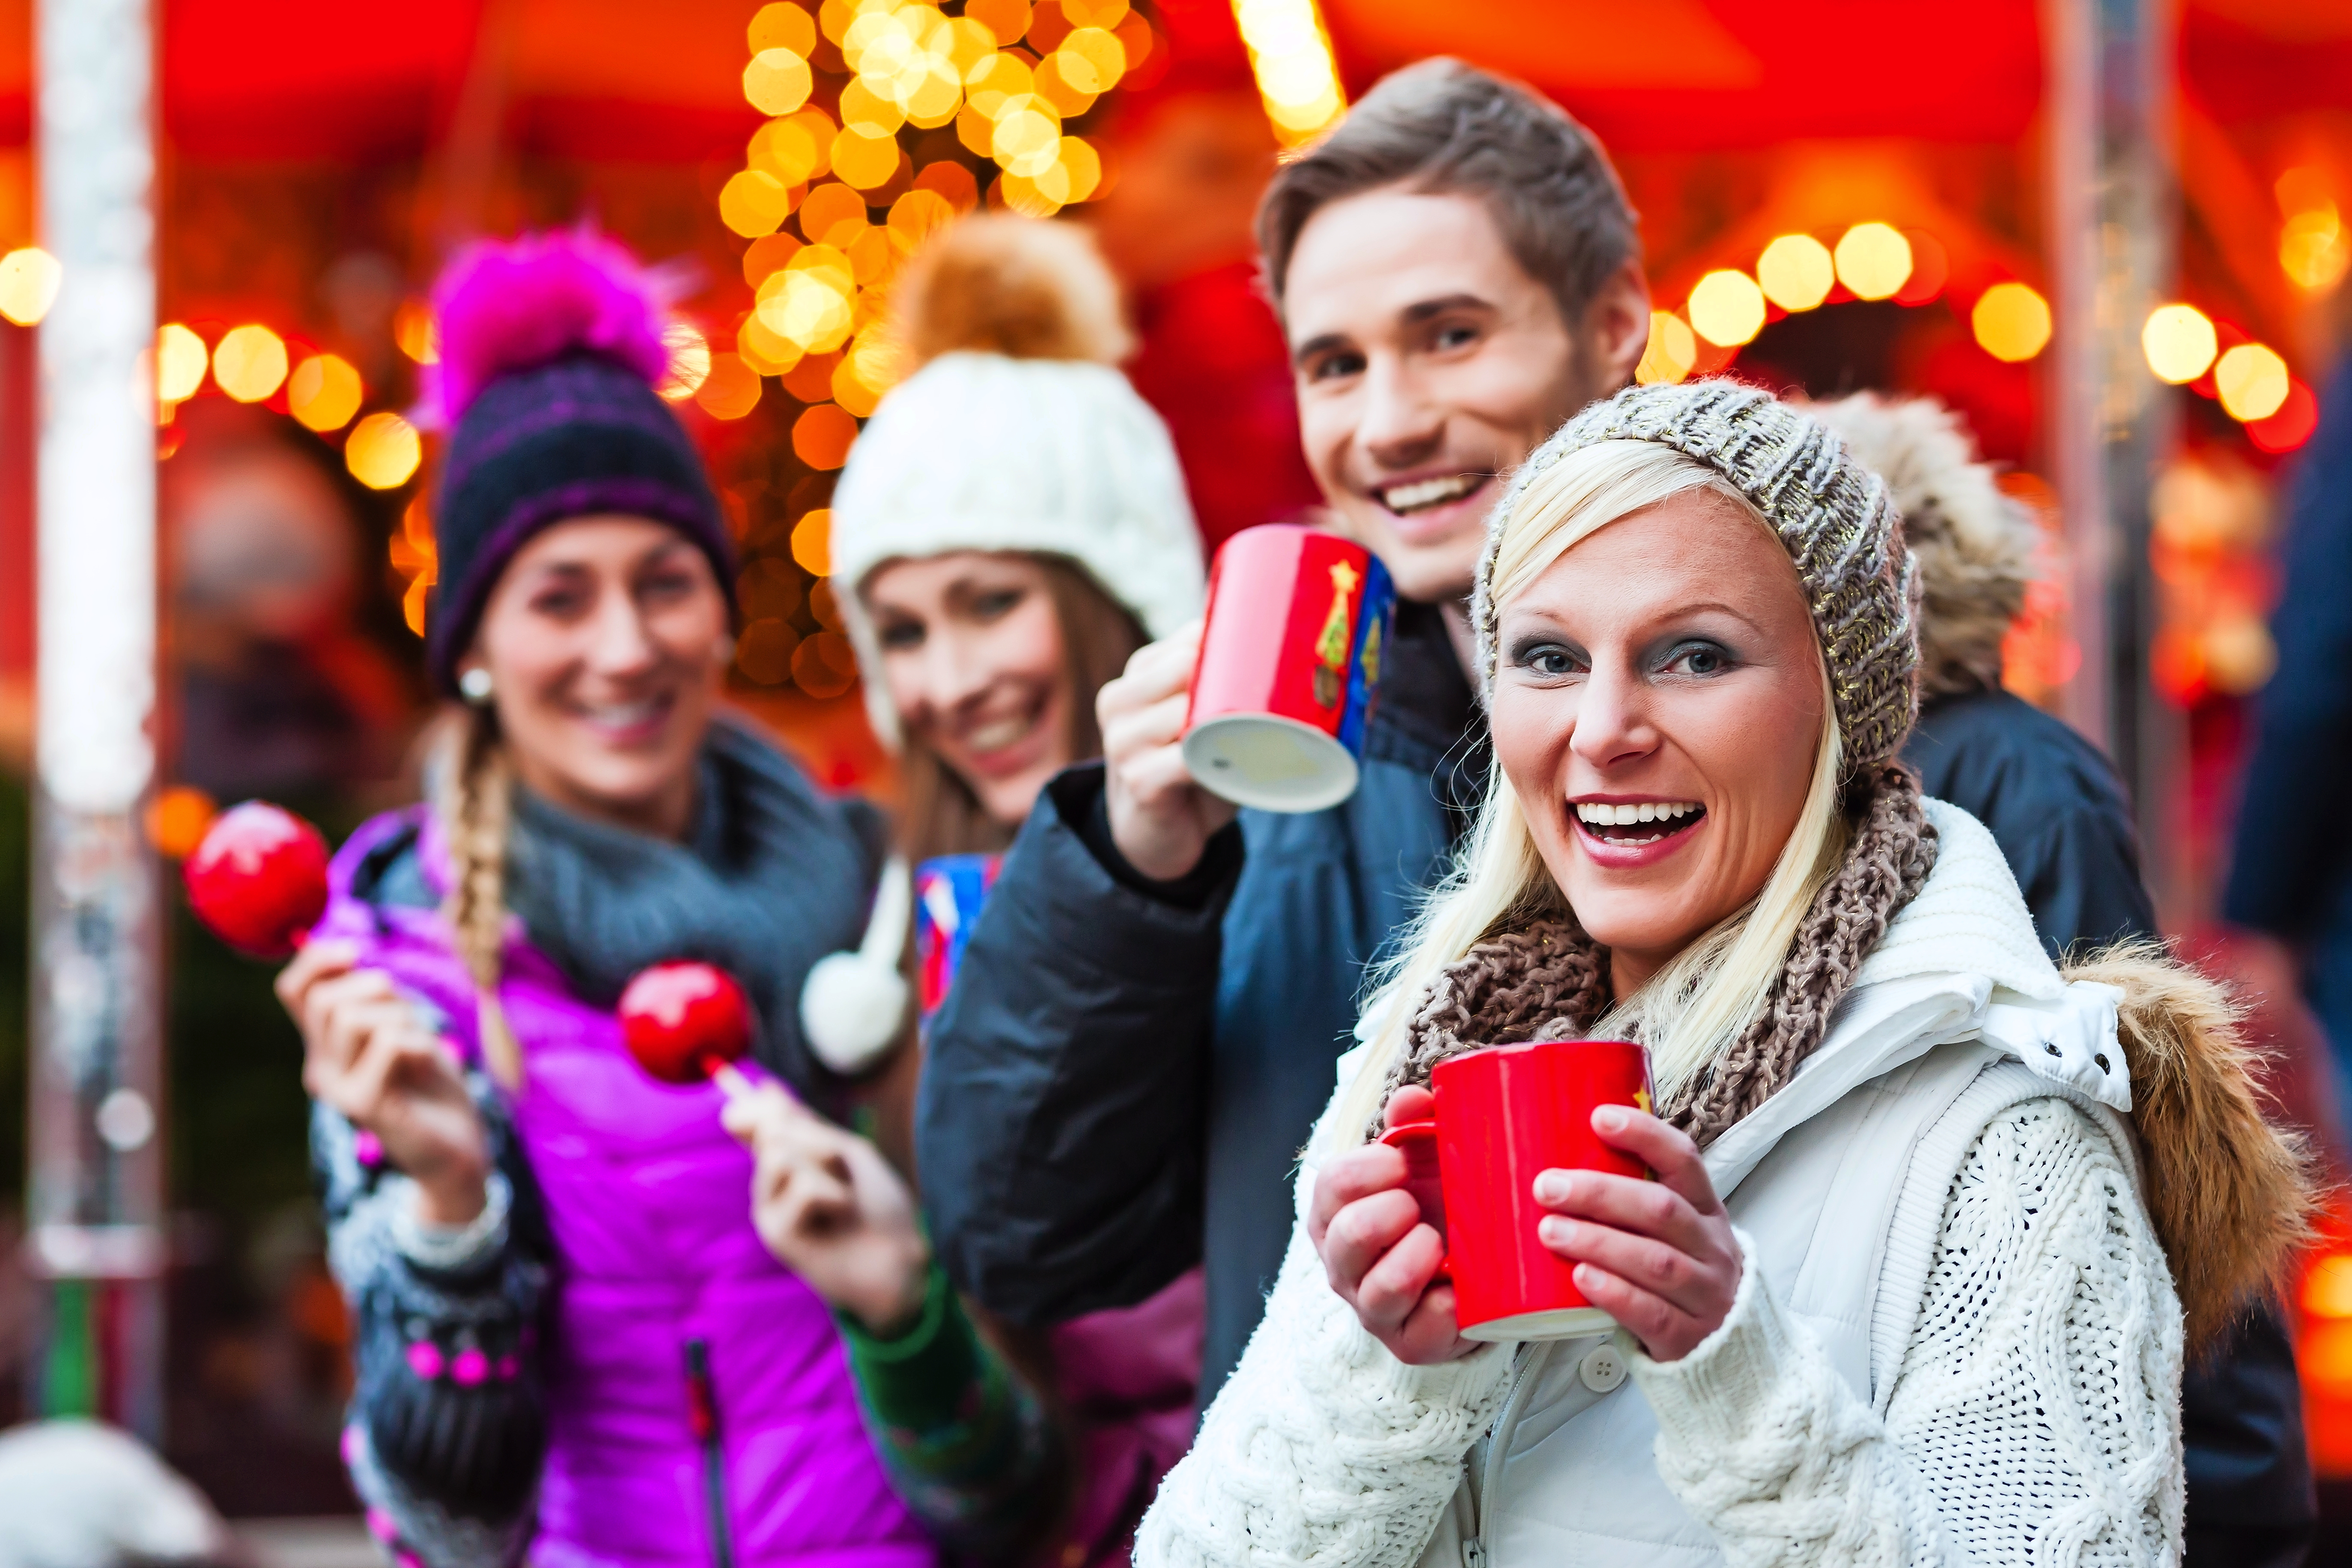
(258,880)
(687,1023)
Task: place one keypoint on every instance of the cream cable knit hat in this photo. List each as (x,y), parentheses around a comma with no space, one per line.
(1016,433)
(1830,513)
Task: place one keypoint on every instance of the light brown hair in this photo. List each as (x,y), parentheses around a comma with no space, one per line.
(1442,126)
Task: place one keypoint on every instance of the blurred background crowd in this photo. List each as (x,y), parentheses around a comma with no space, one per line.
(1834,196)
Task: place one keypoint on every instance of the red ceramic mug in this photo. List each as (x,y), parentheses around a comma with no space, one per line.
(1504,1114)
(1299,622)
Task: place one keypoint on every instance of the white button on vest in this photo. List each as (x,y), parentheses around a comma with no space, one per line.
(1602,1368)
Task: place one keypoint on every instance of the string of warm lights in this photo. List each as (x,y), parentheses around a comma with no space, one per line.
(2186,347)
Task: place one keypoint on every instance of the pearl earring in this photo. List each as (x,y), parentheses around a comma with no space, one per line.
(473,685)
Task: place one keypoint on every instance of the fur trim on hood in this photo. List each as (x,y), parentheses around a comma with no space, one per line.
(2230,1195)
(1975,546)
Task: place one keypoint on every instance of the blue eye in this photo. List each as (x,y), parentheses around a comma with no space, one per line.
(1550,660)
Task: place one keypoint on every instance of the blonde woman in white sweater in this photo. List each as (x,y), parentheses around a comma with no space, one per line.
(1934,1221)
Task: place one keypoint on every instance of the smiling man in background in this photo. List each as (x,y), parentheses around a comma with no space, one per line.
(1143,1028)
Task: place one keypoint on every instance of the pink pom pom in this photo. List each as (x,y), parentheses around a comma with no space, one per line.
(470,1367)
(511,306)
(425,1360)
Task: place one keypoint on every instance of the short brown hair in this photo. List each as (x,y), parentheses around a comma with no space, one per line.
(1442,126)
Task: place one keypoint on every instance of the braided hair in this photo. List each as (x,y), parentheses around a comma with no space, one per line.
(477,805)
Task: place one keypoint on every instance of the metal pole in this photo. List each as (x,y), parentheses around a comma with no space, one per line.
(2112,256)
(96,1189)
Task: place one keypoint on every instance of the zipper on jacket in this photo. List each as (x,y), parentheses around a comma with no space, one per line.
(702,1417)
(1473,1551)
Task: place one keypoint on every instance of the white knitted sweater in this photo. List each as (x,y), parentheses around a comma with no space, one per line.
(2035,1416)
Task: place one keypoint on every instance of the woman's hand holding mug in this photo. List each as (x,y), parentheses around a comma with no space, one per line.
(829,1208)
(1657,1255)
(369,1054)
(1160,820)
(1380,1256)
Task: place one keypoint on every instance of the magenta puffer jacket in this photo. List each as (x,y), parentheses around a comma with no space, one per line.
(651,1250)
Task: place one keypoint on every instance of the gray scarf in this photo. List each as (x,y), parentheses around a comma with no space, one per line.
(772,876)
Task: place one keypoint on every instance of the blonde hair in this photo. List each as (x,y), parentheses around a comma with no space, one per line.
(476,800)
(1699,1003)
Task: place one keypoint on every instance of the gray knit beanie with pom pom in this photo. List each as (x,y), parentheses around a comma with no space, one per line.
(1830,512)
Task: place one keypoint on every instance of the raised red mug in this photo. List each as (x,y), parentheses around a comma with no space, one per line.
(1504,1114)
(1300,624)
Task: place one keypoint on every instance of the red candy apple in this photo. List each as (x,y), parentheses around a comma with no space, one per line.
(686,1022)
(259,878)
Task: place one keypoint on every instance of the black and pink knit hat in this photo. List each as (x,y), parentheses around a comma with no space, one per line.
(550,350)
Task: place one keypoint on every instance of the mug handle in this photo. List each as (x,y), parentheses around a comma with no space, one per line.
(1417,1141)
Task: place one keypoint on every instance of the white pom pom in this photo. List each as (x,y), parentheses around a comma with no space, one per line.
(851,1010)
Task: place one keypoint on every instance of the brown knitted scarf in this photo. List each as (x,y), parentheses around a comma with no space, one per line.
(1549,981)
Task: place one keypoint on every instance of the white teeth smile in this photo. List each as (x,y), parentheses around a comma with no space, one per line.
(996,736)
(1600,814)
(1422,493)
(623,716)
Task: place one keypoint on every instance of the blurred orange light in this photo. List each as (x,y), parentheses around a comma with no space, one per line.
(764,652)
(177,819)
(2011,322)
(865,159)
(1931,269)
(794,150)
(813,543)
(382,451)
(249,362)
(824,665)
(29,277)
(777,81)
(1873,259)
(324,392)
(822,434)
(754,202)
(1290,55)
(1007,19)
(416,333)
(2179,341)
(833,214)
(689,361)
(1796,272)
(731,389)
(1727,308)
(1671,352)
(782,25)
(2291,424)
(2253,381)
(180,361)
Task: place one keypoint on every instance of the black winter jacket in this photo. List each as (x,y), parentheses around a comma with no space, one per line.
(1123,1069)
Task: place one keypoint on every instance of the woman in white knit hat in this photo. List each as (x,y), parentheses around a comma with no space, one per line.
(1010,527)
(1932,1220)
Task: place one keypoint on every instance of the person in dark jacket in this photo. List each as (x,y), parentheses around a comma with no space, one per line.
(2059,813)
(1145,1021)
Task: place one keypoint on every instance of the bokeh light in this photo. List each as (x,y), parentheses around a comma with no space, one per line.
(1006,20)
(794,150)
(833,214)
(689,361)
(382,451)
(822,436)
(754,202)
(824,665)
(2291,426)
(1290,55)
(249,362)
(29,277)
(415,332)
(2011,322)
(731,389)
(1873,260)
(324,392)
(764,652)
(813,543)
(2253,381)
(864,159)
(2180,342)
(1727,308)
(2314,250)
(1671,352)
(782,25)
(416,557)
(1796,272)
(178,818)
(777,81)
(180,361)
(1931,269)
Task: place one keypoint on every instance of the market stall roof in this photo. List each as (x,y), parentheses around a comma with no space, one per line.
(620,80)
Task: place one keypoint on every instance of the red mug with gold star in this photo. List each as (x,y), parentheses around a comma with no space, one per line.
(1504,1114)
(1299,625)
